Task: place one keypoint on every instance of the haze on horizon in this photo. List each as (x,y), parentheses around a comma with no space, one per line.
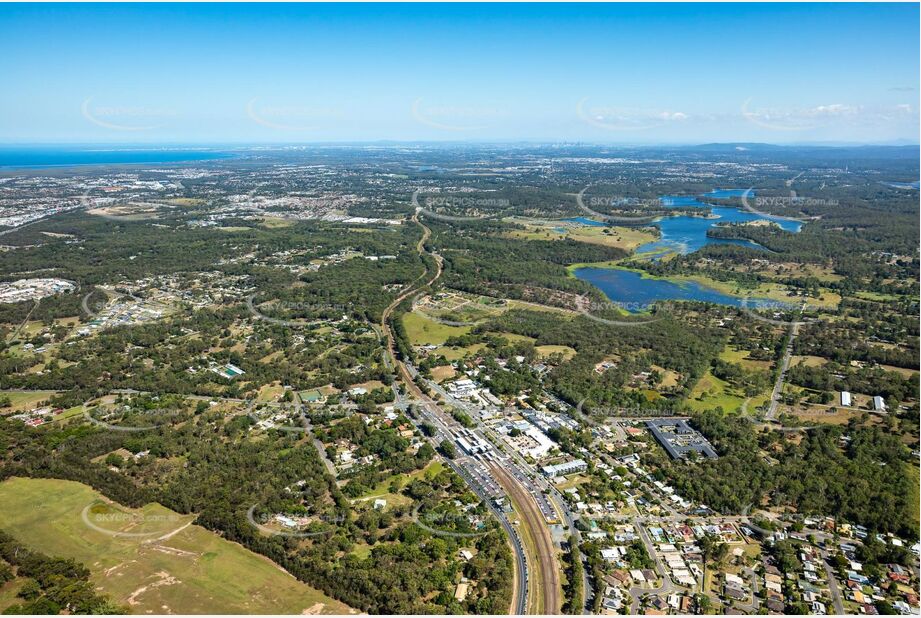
(624,73)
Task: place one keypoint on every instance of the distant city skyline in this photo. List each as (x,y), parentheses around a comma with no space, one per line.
(610,73)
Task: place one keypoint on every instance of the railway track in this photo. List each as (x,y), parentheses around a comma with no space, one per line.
(546,573)
(520,593)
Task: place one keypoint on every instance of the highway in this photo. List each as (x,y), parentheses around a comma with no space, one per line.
(445,424)
(547,579)
(525,476)
(771,415)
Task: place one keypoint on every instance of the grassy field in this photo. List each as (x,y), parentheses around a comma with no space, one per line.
(520,304)
(771,291)
(902,371)
(621,237)
(270,392)
(877,296)
(823,414)
(8,592)
(732,354)
(453,354)
(807,361)
(422,330)
(174,567)
(445,372)
(382,489)
(429,472)
(547,350)
(711,392)
(512,337)
(24,401)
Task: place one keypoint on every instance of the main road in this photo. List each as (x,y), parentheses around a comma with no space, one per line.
(539,489)
(520,598)
(771,415)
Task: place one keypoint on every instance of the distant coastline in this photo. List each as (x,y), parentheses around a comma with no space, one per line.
(61,157)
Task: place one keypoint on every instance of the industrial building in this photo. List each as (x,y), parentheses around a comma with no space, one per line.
(569,467)
(679,439)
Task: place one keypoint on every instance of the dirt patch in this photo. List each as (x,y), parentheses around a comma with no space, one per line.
(314,609)
(165,580)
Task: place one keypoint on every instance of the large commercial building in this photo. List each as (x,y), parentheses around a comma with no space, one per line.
(679,439)
(570,467)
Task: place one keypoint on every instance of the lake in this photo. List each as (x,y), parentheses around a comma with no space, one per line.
(636,292)
(686,234)
(680,234)
(37,157)
(677,201)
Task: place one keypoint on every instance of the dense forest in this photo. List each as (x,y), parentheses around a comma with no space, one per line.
(857,473)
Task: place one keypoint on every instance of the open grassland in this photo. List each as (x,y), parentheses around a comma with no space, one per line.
(522,304)
(711,392)
(549,350)
(830,415)
(876,296)
(453,354)
(429,472)
(442,373)
(24,400)
(9,592)
(902,371)
(512,337)
(807,361)
(626,238)
(732,354)
(422,330)
(770,291)
(170,566)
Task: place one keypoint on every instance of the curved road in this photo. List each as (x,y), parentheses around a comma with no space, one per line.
(519,600)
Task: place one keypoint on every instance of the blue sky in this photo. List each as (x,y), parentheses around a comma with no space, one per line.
(616,73)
